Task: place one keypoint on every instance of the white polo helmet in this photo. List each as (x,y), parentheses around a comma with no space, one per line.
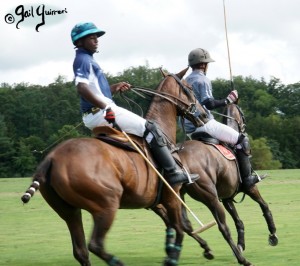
(199,55)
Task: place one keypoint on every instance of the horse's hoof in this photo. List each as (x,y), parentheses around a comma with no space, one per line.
(248,263)
(273,240)
(170,262)
(208,255)
(241,249)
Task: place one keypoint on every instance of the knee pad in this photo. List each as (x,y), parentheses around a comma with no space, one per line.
(244,142)
(158,136)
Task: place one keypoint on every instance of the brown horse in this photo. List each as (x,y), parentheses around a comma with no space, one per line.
(219,180)
(89,174)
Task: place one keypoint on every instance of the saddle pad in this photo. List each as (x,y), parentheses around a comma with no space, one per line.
(224,151)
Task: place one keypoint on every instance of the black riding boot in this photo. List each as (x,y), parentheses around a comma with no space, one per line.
(158,145)
(248,180)
(173,173)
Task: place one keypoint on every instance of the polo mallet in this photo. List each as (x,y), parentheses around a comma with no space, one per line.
(203,227)
(228,52)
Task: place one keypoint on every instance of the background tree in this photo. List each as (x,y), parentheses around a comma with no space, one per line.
(140,77)
(35,117)
(7,151)
(262,157)
(24,160)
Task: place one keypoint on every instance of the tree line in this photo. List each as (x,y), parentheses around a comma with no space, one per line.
(34,118)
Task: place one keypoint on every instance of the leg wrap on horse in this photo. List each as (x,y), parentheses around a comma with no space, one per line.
(170,239)
(158,145)
(173,255)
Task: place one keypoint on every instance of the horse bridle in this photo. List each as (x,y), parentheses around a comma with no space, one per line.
(241,124)
(185,109)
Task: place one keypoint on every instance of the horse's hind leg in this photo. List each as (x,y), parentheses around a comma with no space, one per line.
(230,207)
(72,217)
(102,223)
(255,195)
(189,229)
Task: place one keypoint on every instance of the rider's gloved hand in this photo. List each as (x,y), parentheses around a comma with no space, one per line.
(232,97)
(109,115)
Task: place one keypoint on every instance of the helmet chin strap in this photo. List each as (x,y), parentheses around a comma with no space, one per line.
(204,67)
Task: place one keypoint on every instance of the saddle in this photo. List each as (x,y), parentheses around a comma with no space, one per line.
(116,138)
(224,149)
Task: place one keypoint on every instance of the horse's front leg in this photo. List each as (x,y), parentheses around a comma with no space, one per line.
(174,214)
(255,195)
(219,215)
(173,247)
(161,211)
(239,225)
(174,237)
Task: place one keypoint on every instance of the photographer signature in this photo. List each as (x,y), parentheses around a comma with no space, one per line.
(22,13)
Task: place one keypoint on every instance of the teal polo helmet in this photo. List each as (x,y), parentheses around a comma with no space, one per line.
(81,30)
(199,55)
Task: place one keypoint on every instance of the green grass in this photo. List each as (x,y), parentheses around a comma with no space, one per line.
(33,234)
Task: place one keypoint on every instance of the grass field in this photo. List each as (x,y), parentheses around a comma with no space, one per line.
(33,234)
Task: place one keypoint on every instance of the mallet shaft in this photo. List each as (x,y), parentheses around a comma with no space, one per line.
(161,177)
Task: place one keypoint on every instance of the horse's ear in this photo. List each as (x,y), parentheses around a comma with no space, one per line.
(163,72)
(182,73)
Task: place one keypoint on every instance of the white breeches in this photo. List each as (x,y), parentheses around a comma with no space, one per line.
(220,131)
(126,120)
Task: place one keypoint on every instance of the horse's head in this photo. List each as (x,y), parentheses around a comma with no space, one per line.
(195,112)
(234,117)
(180,93)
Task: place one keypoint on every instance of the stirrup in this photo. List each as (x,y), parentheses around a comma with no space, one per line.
(191,177)
(251,180)
(181,177)
(260,177)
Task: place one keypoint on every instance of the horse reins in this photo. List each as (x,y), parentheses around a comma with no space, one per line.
(191,107)
(188,109)
(240,125)
(58,140)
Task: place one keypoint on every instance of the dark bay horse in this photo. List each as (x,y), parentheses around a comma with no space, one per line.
(89,174)
(219,181)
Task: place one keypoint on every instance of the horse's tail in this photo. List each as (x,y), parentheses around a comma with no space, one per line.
(39,176)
